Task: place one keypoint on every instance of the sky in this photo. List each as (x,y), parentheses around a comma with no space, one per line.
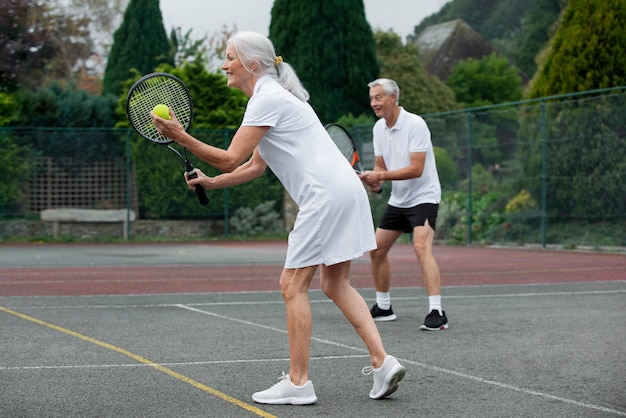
(207,17)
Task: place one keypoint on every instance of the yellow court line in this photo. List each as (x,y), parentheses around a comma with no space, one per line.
(143,360)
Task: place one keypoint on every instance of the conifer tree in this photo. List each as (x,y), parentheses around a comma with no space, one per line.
(587,51)
(585,157)
(331,46)
(140,43)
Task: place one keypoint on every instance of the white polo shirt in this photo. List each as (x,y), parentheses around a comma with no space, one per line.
(409,134)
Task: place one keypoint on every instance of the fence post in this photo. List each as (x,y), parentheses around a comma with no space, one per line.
(129,183)
(470,214)
(544,175)
(226,223)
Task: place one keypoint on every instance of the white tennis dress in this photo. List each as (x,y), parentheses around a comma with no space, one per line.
(334,221)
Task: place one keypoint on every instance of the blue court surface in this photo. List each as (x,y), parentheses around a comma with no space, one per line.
(528,350)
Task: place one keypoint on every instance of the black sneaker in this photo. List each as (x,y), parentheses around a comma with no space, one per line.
(381,315)
(435,321)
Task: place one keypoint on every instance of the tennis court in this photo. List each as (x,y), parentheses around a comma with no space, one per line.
(193,330)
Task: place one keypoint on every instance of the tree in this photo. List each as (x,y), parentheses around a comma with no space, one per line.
(486,81)
(482,82)
(140,42)
(587,51)
(103,17)
(62,106)
(583,139)
(330,44)
(38,44)
(419,91)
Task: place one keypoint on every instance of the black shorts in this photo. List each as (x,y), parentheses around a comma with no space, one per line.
(406,219)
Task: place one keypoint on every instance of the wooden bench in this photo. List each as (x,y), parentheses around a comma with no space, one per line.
(70,215)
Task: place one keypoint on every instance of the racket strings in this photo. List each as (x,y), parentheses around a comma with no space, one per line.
(153,91)
(343,142)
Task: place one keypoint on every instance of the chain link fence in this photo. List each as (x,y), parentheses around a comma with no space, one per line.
(544,171)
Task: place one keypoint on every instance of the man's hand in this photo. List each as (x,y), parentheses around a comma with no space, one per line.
(372,179)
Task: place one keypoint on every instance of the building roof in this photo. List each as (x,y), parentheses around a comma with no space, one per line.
(441,46)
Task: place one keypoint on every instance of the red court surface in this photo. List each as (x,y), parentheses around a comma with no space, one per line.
(460,266)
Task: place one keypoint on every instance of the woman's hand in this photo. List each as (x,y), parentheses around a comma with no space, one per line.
(170,129)
(203,180)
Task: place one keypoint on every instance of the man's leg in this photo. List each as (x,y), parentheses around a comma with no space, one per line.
(381,271)
(423,237)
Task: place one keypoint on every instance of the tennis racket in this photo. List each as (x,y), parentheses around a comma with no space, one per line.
(346,145)
(162,88)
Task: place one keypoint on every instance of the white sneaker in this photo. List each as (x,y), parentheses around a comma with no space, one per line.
(386,377)
(285,392)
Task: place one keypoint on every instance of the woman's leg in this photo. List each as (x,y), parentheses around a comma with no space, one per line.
(294,285)
(335,282)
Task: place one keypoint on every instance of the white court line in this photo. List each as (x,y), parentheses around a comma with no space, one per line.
(313,301)
(329,342)
(425,366)
(186,363)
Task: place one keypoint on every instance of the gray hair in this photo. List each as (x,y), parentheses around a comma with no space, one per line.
(253,47)
(390,87)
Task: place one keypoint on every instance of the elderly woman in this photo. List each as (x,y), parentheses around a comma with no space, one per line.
(334,222)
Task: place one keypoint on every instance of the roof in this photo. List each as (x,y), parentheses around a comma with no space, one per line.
(441,46)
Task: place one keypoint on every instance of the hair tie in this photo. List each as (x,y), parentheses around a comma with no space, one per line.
(278,60)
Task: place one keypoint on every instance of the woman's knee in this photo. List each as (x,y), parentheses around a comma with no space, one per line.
(295,281)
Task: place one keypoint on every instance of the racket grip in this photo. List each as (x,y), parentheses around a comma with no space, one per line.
(200,192)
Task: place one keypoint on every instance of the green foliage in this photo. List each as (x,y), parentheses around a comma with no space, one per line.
(14,171)
(519,29)
(140,43)
(419,91)
(452,217)
(482,82)
(53,110)
(64,106)
(165,195)
(493,136)
(523,201)
(330,45)
(585,156)
(489,198)
(263,220)
(587,51)
(8,109)
(448,173)
(486,81)
(185,49)
(349,121)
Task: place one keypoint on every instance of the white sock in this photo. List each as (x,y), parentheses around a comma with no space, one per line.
(383,300)
(434,302)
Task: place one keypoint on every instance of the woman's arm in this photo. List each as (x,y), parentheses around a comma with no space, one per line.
(246,172)
(241,147)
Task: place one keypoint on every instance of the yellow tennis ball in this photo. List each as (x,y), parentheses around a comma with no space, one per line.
(162,111)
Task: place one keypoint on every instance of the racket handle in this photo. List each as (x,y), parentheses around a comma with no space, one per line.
(202,197)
